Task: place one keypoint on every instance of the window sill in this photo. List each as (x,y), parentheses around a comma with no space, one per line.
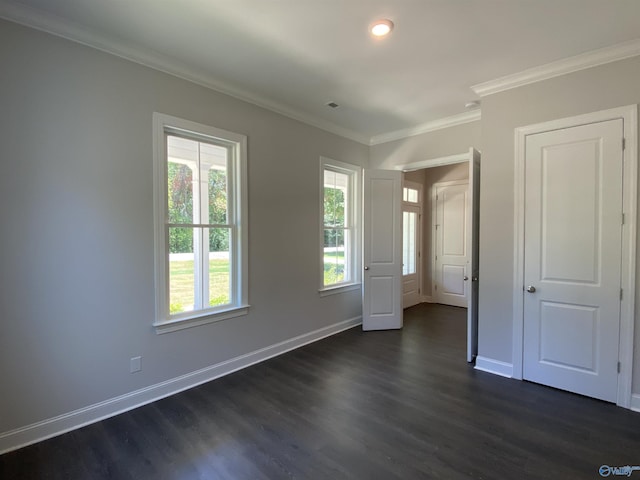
(201,319)
(324,292)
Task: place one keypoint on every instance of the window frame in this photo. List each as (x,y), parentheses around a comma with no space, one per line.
(237,201)
(353,203)
(407,186)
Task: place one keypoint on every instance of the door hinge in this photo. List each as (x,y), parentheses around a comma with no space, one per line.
(621,294)
(619,367)
(624,143)
(435,287)
(623,219)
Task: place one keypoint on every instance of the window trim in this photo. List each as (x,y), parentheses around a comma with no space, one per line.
(355,188)
(163,321)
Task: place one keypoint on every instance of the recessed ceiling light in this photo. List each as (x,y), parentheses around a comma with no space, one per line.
(332,105)
(380,28)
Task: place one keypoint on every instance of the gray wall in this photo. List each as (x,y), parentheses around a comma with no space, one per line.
(440,143)
(76,250)
(607,86)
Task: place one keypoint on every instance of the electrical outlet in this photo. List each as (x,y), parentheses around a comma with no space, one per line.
(136,364)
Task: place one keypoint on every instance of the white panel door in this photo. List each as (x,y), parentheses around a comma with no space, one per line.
(573,235)
(452,243)
(382,298)
(474,220)
(411,240)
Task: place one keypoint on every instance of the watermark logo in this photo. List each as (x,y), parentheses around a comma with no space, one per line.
(626,471)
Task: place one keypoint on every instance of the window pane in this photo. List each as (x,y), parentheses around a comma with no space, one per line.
(213,159)
(180,186)
(219,267)
(405,195)
(334,256)
(181,270)
(409,244)
(412,195)
(217,196)
(335,197)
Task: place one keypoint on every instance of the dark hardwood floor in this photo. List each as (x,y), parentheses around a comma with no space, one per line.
(376,405)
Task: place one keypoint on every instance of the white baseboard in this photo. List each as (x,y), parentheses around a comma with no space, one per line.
(635,402)
(23,436)
(426,299)
(496,367)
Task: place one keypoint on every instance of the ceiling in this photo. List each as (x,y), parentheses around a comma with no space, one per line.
(295,56)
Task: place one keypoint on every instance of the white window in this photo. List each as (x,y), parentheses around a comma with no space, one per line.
(340,233)
(200,223)
(409,241)
(411,199)
(410,195)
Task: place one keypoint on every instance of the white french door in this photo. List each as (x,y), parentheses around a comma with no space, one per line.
(572,258)
(474,253)
(382,279)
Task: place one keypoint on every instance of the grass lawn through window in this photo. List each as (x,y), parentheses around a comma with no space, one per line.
(333,267)
(182,284)
(182,280)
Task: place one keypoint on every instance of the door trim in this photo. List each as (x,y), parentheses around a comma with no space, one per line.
(629,116)
(434,162)
(434,233)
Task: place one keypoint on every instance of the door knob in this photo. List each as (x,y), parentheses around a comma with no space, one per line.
(465,278)
(474,279)
(366,268)
(531,289)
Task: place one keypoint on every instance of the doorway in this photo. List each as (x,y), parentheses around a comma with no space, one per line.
(460,169)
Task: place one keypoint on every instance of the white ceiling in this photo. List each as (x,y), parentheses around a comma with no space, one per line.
(294,56)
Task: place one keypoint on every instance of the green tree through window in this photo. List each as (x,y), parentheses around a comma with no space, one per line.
(180,181)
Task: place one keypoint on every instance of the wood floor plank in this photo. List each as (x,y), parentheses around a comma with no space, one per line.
(359,405)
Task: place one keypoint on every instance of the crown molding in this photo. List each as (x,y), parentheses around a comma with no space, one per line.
(452,121)
(74,32)
(583,61)
(54,25)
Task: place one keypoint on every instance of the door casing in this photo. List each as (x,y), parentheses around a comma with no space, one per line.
(629,115)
